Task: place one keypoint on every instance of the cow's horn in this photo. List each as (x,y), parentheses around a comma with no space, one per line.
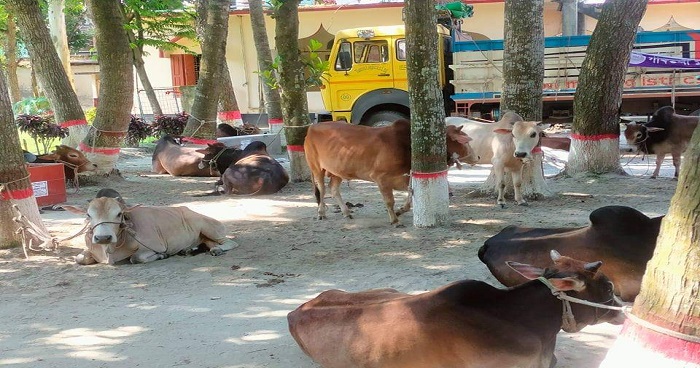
(593,266)
(555,255)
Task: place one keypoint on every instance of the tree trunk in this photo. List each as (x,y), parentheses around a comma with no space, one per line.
(103,143)
(52,76)
(15,187)
(140,65)
(229,113)
(523,74)
(596,129)
(295,109)
(202,120)
(670,293)
(428,151)
(59,35)
(271,96)
(11,56)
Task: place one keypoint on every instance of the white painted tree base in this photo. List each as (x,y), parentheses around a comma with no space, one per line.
(629,353)
(431,201)
(594,156)
(299,169)
(105,163)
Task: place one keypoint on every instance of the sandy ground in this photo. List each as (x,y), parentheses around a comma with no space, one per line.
(230,311)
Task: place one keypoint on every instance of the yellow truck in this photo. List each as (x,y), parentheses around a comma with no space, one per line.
(367,81)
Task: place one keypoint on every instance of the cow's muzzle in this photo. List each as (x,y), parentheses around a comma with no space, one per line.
(102,239)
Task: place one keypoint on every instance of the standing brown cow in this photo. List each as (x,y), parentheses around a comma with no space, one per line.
(378,154)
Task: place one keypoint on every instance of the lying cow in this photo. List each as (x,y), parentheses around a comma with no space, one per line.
(466,324)
(218,157)
(507,144)
(378,154)
(666,132)
(144,234)
(74,161)
(171,158)
(622,237)
(254,173)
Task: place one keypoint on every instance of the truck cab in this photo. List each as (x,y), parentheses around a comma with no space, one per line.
(367,81)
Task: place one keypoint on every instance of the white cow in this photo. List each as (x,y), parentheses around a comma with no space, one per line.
(507,144)
(146,234)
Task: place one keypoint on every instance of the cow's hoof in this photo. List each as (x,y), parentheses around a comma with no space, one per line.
(503,205)
(652,177)
(321,217)
(399,225)
(525,204)
(348,217)
(216,251)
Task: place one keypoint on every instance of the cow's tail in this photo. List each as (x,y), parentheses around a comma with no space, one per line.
(317,193)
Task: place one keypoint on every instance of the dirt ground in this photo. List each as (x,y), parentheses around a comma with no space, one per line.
(230,311)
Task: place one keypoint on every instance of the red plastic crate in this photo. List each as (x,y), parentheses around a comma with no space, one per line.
(48,183)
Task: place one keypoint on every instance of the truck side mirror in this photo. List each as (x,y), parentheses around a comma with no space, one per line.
(345,60)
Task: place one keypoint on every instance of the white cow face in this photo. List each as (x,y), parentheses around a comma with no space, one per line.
(106,216)
(526,135)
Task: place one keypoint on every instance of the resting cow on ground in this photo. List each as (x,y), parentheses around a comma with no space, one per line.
(507,144)
(466,324)
(622,237)
(171,158)
(378,154)
(144,234)
(218,157)
(73,161)
(666,132)
(254,173)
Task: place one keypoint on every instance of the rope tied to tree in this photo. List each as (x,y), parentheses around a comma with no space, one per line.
(30,231)
(3,186)
(626,308)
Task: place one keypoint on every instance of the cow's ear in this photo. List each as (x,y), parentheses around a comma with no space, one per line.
(461,138)
(654,129)
(74,209)
(529,272)
(568,283)
(503,131)
(127,209)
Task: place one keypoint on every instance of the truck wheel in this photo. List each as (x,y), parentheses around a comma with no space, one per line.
(382,118)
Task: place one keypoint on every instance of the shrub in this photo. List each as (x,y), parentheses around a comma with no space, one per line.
(32,106)
(41,128)
(138,131)
(170,124)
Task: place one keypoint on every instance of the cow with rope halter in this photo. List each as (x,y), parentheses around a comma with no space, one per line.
(73,161)
(140,234)
(170,157)
(666,132)
(465,324)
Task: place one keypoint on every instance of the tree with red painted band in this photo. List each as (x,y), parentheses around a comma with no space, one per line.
(523,73)
(15,187)
(202,120)
(292,83)
(116,86)
(598,95)
(49,69)
(670,292)
(428,150)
